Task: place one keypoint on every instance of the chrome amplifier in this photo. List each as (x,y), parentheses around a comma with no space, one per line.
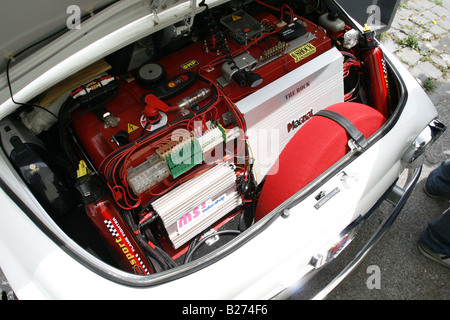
(198,203)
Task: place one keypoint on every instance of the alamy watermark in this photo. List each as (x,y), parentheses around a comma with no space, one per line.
(374,18)
(74,19)
(374,280)
(265,144)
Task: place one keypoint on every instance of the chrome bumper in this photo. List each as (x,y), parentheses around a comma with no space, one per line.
(426,138)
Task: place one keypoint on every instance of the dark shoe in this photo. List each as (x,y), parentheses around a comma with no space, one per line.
(428,193)
(439,258)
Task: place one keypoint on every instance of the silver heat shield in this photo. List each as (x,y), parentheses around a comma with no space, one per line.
(198,203)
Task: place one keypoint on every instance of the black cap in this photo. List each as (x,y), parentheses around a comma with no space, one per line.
(253,79)
(90,188)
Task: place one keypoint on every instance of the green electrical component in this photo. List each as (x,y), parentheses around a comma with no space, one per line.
(184,158)
(223,130)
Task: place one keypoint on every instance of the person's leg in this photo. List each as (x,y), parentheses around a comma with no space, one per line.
(438,181)
(435,241)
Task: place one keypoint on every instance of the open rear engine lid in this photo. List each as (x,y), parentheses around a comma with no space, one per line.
(377,14)
(27,22)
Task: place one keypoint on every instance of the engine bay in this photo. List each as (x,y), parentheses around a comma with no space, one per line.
(157,154)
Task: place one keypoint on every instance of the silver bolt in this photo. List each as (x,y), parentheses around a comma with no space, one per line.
(285,214)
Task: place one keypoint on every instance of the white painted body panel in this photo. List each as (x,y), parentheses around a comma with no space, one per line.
(38,268)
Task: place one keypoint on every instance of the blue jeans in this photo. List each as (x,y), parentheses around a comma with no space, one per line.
(438,181)
(437,236)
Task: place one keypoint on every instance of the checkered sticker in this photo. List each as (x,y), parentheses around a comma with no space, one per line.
(111,228)
(143,266)
(141,269)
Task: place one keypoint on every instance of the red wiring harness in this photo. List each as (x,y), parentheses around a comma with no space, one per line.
(114,166)
(349,62)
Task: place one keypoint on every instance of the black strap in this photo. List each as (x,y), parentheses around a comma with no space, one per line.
(354,133)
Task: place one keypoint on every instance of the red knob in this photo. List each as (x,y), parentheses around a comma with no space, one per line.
(153,105)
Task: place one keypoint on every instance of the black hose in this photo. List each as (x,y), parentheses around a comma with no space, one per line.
(158,254)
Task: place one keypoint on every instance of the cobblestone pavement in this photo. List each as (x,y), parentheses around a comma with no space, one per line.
(420,38)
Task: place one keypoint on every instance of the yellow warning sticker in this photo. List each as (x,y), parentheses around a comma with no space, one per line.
(235,17)
(131,128)
(302,52)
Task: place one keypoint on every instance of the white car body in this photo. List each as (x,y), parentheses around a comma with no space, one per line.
(41,262)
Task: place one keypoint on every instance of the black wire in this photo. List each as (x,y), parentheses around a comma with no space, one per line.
(22,103)
(191,246)
(54,34)
(159,255)
(64,140)
(65,120)
(189,256)
(213,95)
